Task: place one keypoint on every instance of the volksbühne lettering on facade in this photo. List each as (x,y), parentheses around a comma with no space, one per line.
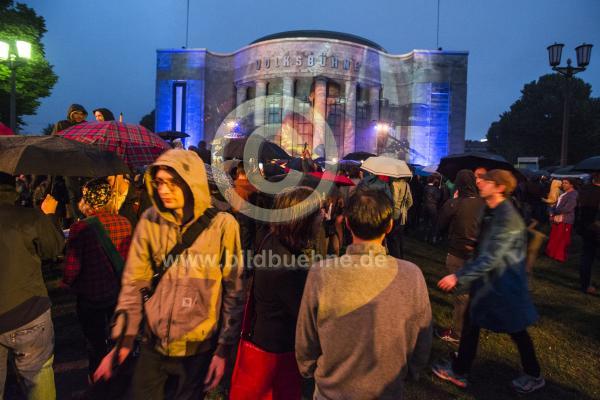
(311,61)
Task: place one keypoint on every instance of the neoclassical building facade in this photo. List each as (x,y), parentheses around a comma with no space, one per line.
(336,92)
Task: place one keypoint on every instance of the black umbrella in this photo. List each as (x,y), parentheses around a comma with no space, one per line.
(529,174)
(172,135)
(234,148)
(55,155)
(307,180)
(358,156)
(450,165)
(591,164)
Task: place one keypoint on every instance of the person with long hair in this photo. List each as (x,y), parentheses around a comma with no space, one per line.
(563,218)
(276,294)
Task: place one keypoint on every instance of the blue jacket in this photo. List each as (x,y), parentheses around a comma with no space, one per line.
(496,277)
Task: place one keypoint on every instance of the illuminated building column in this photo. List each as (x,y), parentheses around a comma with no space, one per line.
(374,102)
(320,112)
(350,118)
(374,92)
(240,98)
(287,115)
(259,103)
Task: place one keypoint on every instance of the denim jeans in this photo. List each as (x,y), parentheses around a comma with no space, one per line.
(33,347)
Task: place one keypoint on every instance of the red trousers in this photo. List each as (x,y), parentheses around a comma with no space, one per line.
(260,375)
(560,239)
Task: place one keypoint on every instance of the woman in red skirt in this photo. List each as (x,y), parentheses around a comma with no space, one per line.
(562,217)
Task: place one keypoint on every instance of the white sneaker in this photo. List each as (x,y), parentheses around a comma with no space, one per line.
(527,383)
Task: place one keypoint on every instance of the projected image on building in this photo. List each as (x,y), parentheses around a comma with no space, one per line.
(296,85)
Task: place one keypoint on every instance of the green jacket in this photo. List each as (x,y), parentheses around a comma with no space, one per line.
(28,237)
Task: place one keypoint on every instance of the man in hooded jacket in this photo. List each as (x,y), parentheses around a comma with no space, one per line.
(199,299)
(76,114)
(461,217)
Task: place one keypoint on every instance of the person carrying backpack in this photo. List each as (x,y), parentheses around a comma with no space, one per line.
(96,249)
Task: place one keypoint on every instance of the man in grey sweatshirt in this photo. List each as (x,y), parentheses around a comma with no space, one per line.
(365,318)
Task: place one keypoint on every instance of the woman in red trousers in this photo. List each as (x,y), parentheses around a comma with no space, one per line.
(562,217)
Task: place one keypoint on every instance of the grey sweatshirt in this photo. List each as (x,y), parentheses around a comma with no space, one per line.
(364,324)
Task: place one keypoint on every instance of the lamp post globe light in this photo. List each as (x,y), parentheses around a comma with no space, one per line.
(584,52)
(13,53)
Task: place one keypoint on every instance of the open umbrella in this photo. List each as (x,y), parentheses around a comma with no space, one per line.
(135,144)
(387,166)
(307,180)
(591,164)
(55,155)
(358,156)
(568,172)
(450,165)
(172,135)
(349,163)
(300,164)
(341,180)
(234,148)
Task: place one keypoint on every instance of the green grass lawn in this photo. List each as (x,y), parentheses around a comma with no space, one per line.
(566,337)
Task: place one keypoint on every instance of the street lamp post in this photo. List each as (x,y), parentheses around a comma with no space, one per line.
(8,54)
(584,53)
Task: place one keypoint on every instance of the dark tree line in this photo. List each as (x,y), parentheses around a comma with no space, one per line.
(533,125)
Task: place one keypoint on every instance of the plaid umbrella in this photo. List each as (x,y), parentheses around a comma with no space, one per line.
(136,145)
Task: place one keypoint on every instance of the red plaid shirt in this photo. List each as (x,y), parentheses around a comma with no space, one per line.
(88,270)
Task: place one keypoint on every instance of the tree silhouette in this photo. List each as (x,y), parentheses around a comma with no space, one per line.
(533,125)
(35,78)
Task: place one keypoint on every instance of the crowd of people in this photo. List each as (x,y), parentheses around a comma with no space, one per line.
(335,302)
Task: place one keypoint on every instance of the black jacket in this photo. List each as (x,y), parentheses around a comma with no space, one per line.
(462,216)
(28,237)
(277,296)
(589,205)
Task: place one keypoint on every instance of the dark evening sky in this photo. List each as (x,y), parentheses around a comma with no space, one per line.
(105,52)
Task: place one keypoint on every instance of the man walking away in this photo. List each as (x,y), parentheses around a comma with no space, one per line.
(365,319)
(496,277)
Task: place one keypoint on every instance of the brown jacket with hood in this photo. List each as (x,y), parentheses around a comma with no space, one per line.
(200,297)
